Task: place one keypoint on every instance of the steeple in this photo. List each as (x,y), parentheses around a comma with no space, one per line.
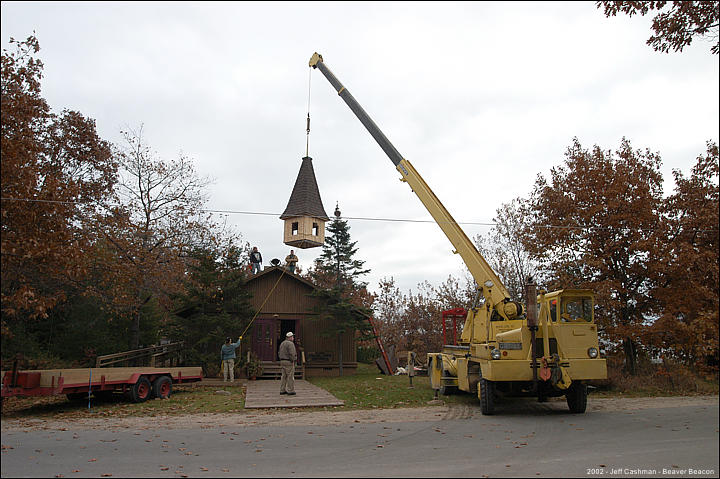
(305,215)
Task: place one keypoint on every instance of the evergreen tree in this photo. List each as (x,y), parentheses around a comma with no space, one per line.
(214,306)
(346,299)
(336,266)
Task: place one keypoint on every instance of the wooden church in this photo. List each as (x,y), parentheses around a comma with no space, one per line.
(289,307)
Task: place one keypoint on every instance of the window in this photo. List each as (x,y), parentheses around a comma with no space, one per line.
(295,228)
(315,229)
(577,309)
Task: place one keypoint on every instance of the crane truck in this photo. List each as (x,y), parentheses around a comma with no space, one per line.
(547,349)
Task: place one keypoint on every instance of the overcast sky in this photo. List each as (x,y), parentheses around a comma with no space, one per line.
(479,97)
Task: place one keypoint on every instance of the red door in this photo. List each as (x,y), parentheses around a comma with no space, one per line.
(264,339)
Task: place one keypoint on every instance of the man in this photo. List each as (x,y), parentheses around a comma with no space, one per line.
(291,261)
(288,356)
(255,260)
(227,355)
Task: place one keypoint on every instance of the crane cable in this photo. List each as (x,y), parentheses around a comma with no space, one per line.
(263,304)
(307,139)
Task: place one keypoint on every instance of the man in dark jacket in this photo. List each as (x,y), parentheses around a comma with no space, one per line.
(255,260)
(288,356)
(227,354)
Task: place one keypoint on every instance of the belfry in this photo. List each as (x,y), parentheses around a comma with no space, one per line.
(304,215)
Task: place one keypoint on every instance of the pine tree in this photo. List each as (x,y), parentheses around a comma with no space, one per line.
(346,299)
(336,267)
(215,305)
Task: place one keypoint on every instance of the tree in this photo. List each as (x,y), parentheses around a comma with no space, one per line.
(688,285)
(336,266)
(675,27)
(503,249)
(389,310)
(591,226)
(161,220)
(57,175)
(215,304)
(338,273)
(414,321)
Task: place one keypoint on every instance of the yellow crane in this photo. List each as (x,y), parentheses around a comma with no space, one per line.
(549,350)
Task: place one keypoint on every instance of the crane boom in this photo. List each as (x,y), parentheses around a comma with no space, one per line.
(492,288)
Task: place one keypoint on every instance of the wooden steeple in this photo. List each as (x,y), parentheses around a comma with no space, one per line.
(304,215)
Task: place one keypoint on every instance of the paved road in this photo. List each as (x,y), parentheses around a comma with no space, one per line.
(530,442)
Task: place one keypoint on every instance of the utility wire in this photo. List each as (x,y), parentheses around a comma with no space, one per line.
(365,218)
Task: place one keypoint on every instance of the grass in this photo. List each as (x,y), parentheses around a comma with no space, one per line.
(184,400)
(367,389)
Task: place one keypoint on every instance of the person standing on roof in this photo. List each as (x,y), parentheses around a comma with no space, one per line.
(291,261)
(288,356)
(255,260)
(227,354)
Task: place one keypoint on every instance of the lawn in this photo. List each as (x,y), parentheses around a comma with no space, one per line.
(367,389)
(184,400)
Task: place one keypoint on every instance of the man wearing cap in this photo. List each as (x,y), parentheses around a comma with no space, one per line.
(288,356)
(227,354)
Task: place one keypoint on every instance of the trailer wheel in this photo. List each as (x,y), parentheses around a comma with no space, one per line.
(140,391)
(576,397)
(487,397)
(162,387)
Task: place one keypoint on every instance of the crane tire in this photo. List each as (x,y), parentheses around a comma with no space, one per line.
(487,397)
(576,397)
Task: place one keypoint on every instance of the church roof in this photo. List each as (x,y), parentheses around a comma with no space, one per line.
(305,197)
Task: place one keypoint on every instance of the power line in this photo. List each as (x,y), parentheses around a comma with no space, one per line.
(394,220)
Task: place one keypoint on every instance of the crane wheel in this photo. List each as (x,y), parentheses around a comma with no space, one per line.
(487,397)
(576,397)
(447,390)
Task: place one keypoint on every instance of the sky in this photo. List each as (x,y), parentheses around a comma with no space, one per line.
(481,97)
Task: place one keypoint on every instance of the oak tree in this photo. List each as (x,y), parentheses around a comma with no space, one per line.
(57,176)
(677,25)
(591,227)
(687,284)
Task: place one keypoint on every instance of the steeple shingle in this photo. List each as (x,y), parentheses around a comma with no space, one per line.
(305,197)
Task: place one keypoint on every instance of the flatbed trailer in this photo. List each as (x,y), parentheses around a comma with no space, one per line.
(137,383)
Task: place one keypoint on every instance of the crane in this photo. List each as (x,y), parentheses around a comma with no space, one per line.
(549,350)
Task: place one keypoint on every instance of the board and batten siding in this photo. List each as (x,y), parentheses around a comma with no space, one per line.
(291,300)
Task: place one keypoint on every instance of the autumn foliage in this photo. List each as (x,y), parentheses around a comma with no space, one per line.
(103,240)
(56,174)
(97,239)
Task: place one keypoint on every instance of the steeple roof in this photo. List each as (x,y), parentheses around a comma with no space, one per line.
(305,197)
